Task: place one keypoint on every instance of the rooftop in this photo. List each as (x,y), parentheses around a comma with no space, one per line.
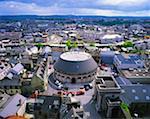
(3,99)
(136,73)
(11,106)
(18,68)
(136,93)
(107,83)
(75,63)
(126,61)
(75,56)
(111,36)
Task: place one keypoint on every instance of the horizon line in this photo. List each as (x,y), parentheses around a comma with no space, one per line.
(71,15)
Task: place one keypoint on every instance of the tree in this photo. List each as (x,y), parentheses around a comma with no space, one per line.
(39,45)
(69,43)
(126,110)
(75,44)
(128,44)
(92,44)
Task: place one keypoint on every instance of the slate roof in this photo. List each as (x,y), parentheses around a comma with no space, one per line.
(136,93)
(11,106)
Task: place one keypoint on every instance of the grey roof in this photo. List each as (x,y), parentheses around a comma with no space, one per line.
(123,81)
(13,61)
(18,68)
(11,106)
(49,105)
(3,99)
(130,61)
(75,67)
(49,100)
(10,82)
(136,93)
(46,50)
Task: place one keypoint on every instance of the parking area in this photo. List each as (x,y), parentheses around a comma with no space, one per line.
(86,98)
(75,90)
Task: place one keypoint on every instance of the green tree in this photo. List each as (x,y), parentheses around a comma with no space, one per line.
(75,44)
(128,44)
(126,110)
(92,44)
(39,45)
(69,43)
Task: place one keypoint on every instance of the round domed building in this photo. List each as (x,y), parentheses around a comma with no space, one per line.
(75,67)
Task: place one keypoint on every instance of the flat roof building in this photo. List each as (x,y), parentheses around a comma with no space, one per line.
(107,92)
(137,75)
(125,61)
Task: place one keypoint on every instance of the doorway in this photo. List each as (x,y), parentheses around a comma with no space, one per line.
(73,80)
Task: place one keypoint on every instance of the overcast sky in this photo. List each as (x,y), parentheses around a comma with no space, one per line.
(76,7)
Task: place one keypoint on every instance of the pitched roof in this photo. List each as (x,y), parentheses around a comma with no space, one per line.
(11,106)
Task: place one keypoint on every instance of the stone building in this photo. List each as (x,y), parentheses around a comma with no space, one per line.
(75,67)
(107,92)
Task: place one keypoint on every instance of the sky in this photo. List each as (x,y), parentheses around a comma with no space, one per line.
(76,7)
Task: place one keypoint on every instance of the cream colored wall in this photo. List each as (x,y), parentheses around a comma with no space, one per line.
(79,78)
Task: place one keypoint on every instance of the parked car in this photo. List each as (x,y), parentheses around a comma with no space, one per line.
(71,93)
(87,87)
(79,93)
(90,85)
(56,82)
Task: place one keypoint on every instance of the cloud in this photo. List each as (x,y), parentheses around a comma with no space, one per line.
(114,12)
(74,7)
(123,2)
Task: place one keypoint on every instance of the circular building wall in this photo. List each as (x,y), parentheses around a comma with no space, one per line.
(75,67)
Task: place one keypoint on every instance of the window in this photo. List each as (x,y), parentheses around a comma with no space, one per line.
(144,90)
(68,77)
(84,77)
(147,97)
(16,87)
(133,90)
(136,98)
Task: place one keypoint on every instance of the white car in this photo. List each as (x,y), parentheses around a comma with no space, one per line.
(60,86)
(57,82)
(90,85)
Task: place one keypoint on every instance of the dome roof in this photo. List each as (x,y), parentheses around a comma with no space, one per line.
(75,63)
